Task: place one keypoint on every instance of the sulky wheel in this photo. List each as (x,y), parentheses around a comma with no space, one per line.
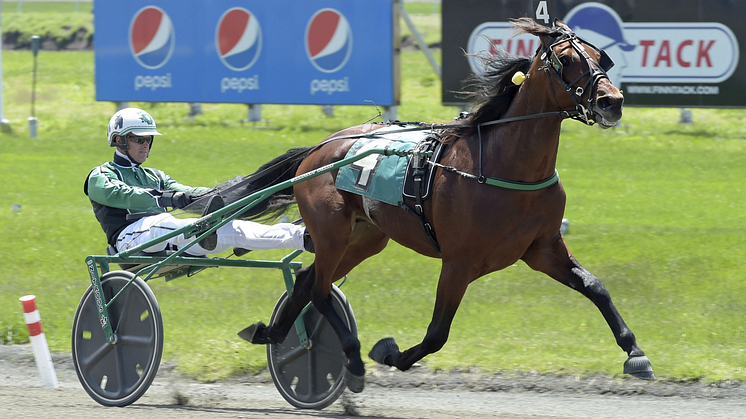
(118,374)
(311,378)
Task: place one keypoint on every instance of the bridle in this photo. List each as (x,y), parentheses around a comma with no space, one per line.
(553,66)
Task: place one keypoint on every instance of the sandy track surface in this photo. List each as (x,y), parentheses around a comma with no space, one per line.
(388,394)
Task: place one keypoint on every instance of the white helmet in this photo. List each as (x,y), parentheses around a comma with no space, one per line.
(127,120)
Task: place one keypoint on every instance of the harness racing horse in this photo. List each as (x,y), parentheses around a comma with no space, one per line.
(496,198)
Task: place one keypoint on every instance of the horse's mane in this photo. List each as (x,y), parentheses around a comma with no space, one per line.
(492,91)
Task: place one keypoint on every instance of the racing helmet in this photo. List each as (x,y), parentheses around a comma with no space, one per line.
(129,120)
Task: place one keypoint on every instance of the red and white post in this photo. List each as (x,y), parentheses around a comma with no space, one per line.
(38,342)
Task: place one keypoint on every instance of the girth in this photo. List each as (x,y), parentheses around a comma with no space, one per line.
(418,183)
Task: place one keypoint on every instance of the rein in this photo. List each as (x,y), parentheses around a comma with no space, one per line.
(552,67)
(491,181)
(497,182)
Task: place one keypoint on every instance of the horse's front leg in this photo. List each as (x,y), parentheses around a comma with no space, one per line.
(452,285)
(554,259)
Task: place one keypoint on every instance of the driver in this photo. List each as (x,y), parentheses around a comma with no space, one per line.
(122,186)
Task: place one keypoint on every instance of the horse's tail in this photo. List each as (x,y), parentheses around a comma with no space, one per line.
(276,171)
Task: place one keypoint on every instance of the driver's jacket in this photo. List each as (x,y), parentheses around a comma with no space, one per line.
(121,187)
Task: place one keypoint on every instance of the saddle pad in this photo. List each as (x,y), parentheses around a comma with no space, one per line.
(377,176)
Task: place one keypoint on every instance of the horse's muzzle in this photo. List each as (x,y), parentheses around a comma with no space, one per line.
(608,109)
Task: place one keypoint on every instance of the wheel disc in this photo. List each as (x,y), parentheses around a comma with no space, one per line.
(118,374)
(311,378)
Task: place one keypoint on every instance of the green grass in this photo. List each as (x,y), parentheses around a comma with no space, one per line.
(656,212)
(423,8)
(426,18)
(11,7)
(51,20)
(427,25)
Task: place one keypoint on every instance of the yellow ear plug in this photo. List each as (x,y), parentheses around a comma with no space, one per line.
(518,78)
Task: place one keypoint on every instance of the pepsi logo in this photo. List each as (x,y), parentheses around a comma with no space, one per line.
(151,37)
(328,40)
(238,39)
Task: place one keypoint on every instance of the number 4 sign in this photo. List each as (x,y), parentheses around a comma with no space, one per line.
(542,12)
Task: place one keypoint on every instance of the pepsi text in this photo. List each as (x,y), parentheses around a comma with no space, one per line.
(153,82)
(239,83)
(330,86)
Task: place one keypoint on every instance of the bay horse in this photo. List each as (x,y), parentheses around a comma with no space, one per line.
(511,139)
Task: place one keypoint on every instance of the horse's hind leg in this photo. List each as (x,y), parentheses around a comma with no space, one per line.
(300,295)
(313,283)
(355,368)
(303,291)
(364,241)
(452,285)
(556,261)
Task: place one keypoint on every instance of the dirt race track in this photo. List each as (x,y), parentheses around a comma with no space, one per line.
(388,394)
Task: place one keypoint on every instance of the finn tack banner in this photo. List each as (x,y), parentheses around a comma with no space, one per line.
(683,53)
(246,51)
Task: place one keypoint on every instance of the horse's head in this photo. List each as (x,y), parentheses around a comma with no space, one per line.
(576,74)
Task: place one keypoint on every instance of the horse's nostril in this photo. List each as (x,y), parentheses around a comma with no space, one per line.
(609,102)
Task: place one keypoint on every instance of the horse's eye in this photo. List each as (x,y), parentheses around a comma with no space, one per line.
(565,60)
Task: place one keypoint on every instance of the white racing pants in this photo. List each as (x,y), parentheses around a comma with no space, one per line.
(237,233)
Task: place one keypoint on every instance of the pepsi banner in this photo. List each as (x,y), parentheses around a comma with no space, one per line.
(327,52)
(679,54)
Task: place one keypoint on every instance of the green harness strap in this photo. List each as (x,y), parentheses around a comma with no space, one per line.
(502,183)
(523,186)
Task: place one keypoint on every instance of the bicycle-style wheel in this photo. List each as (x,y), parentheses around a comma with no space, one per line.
(311,378)
(120,373)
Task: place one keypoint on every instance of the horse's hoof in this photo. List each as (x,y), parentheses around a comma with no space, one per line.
(355,383)
(255,333)
(639,367)
(382,349)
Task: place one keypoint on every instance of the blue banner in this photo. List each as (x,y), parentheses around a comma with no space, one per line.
(327,52)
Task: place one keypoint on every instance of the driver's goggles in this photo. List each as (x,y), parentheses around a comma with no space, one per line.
(141,139)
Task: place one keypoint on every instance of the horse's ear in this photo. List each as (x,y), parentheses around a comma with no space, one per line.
(528,25)
(560,24)
(546,40)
